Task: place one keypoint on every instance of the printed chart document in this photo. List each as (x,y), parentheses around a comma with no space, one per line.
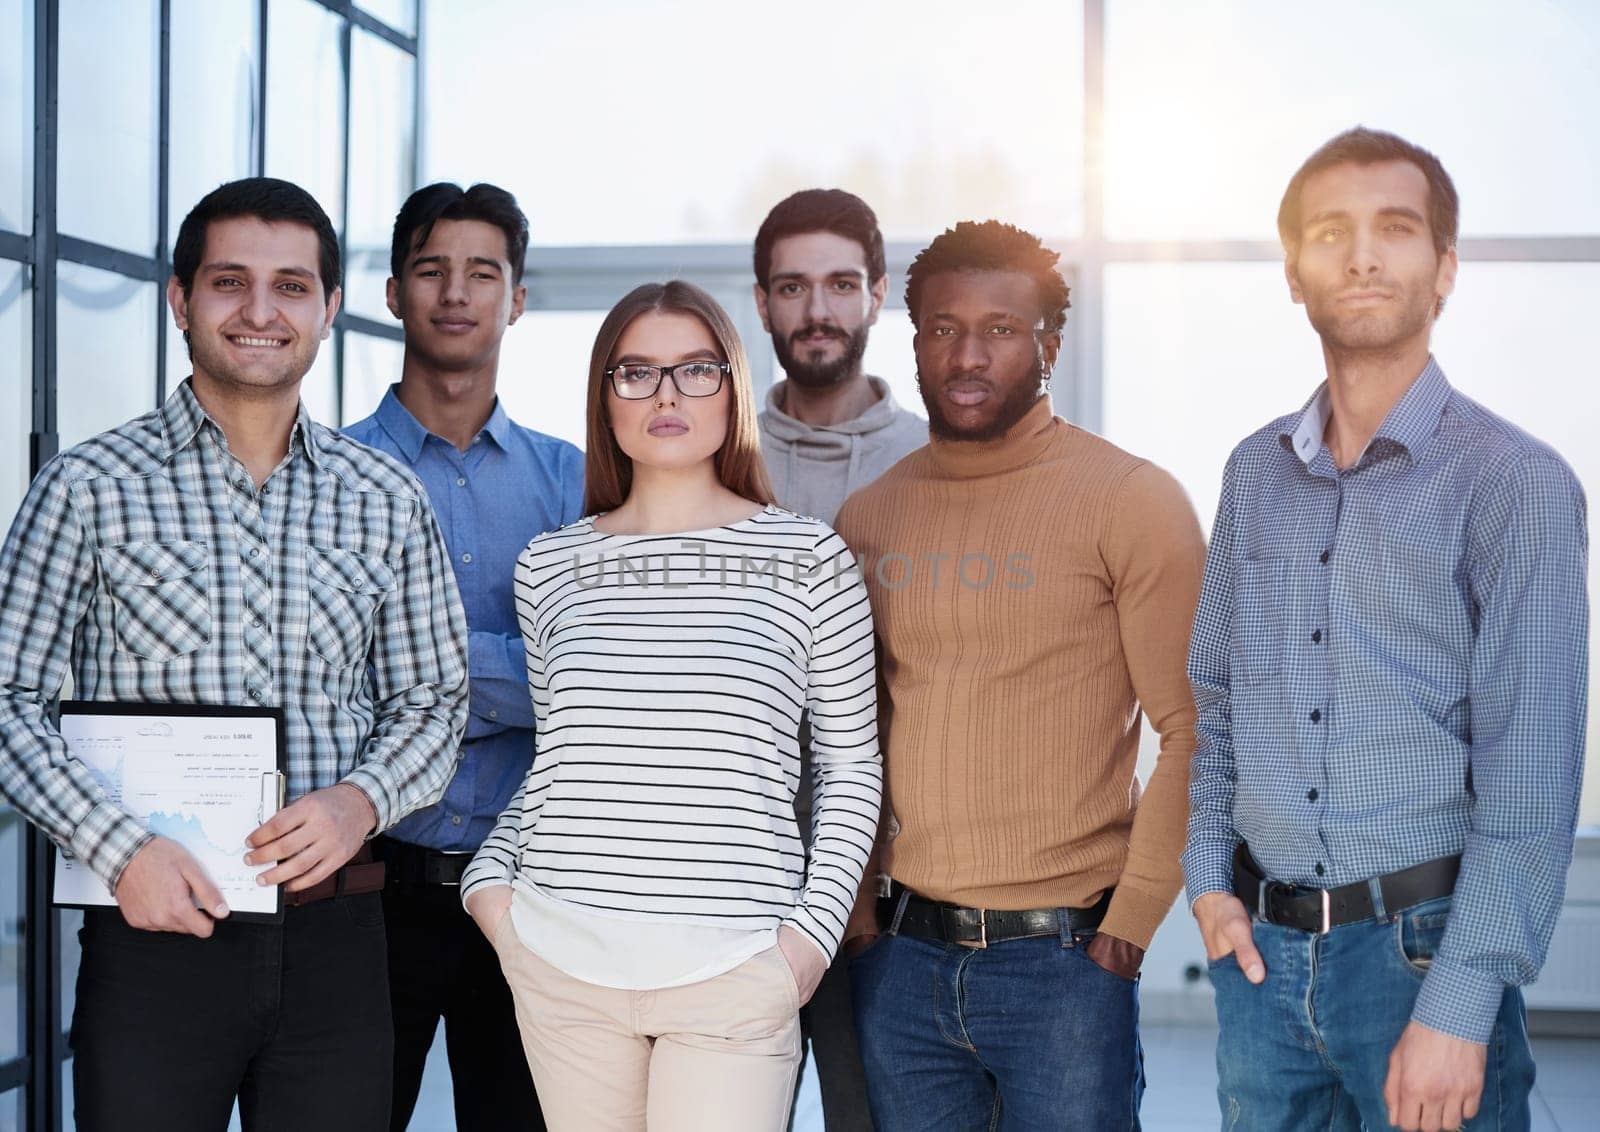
(204,776)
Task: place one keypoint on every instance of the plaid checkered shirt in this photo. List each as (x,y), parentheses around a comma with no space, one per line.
(145,565)
(1391,665)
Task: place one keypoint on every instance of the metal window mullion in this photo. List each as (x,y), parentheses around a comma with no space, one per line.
(344,216)
(163,190)
(41,997)
(261,90)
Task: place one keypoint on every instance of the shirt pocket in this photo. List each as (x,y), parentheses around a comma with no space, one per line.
(345,591)
(160,594)
(1260,606)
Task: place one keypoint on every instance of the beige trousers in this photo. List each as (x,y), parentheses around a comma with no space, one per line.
(716,1055)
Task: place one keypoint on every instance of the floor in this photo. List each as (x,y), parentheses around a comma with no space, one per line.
(1181,1097)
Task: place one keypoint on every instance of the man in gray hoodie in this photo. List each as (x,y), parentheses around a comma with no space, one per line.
(827,430)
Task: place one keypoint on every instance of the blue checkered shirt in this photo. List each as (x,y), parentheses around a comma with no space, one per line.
(1390,664)
(145,565)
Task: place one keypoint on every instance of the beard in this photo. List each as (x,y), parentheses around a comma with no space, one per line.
(210,356)
(1012,408)
(821,374)
(1385,327)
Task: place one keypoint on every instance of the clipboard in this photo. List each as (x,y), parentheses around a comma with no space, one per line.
(203,775)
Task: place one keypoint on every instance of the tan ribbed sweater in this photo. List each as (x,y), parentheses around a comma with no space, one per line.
(1032,595)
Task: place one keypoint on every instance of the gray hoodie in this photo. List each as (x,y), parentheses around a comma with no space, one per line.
(813,468)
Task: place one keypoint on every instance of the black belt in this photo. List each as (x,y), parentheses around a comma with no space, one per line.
(415,864)
(1320,910)
(358,876)
(979,927)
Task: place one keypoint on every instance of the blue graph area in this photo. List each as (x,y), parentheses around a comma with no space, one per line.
(186,830)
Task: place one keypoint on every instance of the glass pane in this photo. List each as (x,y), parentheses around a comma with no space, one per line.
(68,922)
(1200,143)
(105,350)
(317,391)
(214,117)
(398,14)
(1209,394)
(688,122)
(305,101)
(16,117)
(16,388)
(106,190)
(371,365)
(13,1110)
(382,158)
(13,896)
(544,370)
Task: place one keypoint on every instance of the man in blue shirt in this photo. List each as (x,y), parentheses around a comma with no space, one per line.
(1390,666)
(456,269)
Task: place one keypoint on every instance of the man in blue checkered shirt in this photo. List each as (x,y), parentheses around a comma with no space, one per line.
(1390,665)
(226,549)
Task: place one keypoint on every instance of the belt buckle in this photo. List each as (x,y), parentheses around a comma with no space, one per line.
(983,928)
(1327,912)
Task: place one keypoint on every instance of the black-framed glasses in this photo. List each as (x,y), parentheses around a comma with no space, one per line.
(692,379)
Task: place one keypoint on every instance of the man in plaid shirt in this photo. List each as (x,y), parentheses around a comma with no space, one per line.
(226,549)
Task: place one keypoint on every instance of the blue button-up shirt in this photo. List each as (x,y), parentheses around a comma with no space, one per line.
(1390,665)
(512,483)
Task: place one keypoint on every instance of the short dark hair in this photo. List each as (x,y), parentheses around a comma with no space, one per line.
(265,198)
(821,210)
(1361,146)
(446,200)
(989,245)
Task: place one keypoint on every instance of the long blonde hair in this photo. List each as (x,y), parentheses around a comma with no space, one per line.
(607,469)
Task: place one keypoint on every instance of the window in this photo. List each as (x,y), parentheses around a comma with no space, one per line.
(106,181)
(215,116)
(382,165)
(305,101)
(105,350)
(686,123)
(16,117)
(1200,143)
(371,365)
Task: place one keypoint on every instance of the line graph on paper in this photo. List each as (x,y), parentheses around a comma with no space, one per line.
(205,782)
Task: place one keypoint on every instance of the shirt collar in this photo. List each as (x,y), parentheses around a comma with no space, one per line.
(1408,426)
(182,417)
(409,435)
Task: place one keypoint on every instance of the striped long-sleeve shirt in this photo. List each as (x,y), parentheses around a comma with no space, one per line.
(668,675)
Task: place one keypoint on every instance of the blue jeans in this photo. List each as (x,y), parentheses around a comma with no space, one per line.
(1309,1048)
(1025,1034)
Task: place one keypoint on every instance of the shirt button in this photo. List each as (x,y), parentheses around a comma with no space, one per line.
(1320,869)
(266,488)
(461,481)
(1323,557)
(254,552)
(256,621)
(455,820)
(1311,795)
(466,558)
(255,693)
(1316,715)
(1316,637)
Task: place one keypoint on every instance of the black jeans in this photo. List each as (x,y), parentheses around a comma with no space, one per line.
(290,1018)
(441,966)
(828,1029)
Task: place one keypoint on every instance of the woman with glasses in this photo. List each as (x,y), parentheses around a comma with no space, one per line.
(647,890)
